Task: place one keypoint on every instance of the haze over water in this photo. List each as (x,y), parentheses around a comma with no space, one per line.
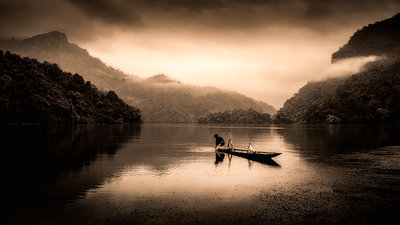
(158,174)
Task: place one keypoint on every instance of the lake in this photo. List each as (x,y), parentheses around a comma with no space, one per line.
(168,174)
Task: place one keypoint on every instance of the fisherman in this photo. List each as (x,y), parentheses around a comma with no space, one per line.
(219,141)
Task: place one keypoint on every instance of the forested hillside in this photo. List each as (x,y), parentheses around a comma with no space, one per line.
(371,96)
(33,92)
(238,116)
(380,38)
(160,98)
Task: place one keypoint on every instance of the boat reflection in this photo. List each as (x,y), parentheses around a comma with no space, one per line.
(219,158)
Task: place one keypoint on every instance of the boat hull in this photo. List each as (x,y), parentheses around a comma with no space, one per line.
(253,155)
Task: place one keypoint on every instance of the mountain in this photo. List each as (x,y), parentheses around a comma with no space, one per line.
(54,47)
(161,79)
(33,92)
(370,96)
(160,98)
(381,38)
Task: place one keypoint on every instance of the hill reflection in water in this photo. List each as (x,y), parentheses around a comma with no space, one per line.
(167,173)
(41,160)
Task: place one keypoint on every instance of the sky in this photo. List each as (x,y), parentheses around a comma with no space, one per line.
(265,49)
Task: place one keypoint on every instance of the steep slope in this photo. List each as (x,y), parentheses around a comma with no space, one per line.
(381,38)
(54,47)
(33,92)
(160,98)
(371,96)
(310,104)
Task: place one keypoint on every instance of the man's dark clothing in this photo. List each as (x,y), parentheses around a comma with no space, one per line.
(219,141)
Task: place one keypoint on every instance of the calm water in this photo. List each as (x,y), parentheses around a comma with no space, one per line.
(168,174)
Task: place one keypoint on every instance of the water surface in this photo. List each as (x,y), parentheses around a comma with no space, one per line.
(158,174)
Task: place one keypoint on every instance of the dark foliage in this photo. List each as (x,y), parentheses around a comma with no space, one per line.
(160,98)
(372,96)
(381,38)
(310,105)
(238,116)
(369,97)
(46,154)
(33,92)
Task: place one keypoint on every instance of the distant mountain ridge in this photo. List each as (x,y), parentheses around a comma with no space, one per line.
(162,79)
(370,96)
(160,98)
(55,48)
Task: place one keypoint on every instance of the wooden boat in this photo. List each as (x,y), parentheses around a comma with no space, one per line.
(249,153)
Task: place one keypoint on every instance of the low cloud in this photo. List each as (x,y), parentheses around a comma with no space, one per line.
(346,67)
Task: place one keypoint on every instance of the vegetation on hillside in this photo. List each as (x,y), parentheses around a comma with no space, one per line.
(380,38)
(160,98)
(238,116)
(310,104)
(33,92)
(371,96)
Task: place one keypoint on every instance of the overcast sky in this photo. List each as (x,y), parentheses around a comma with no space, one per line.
(264,49)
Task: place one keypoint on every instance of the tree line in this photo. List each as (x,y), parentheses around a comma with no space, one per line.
(237,116)
(33,92)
